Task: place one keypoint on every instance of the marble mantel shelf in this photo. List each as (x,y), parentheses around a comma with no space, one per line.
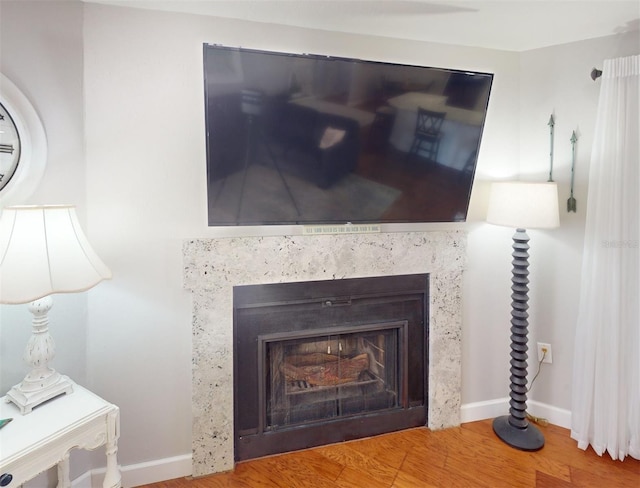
(213,266)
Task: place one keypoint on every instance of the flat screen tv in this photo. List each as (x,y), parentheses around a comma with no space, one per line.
(311,139)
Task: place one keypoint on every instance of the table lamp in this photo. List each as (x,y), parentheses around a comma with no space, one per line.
(43,251)
(524,206)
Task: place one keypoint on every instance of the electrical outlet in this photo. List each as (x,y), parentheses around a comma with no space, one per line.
(548,357)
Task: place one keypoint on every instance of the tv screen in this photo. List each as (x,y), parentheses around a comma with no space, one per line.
(311,139)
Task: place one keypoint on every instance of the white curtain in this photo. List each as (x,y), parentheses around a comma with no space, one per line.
(606,375)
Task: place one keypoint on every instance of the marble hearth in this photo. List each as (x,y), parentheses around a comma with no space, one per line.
(213,266)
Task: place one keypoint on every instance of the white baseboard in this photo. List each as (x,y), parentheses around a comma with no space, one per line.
(470,412)
(556,416)
(158,470)
(84,481)
(142,473)
(180,466)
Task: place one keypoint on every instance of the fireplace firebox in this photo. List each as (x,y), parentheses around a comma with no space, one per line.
(326,361)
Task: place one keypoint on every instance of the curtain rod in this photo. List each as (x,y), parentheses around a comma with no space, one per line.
(595,74)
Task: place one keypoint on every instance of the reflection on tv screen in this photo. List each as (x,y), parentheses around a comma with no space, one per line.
(308,139)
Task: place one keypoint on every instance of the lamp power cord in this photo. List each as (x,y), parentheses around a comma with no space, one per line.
(538,420)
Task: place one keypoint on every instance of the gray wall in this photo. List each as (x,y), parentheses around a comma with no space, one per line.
(120,93)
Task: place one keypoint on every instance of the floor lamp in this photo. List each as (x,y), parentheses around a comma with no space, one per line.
(523,206)
(43,251)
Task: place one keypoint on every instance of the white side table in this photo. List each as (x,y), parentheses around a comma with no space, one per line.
(35,442)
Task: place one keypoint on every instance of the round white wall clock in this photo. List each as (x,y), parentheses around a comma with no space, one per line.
(23,145)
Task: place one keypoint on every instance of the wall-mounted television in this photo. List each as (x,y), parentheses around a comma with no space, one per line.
(312,139)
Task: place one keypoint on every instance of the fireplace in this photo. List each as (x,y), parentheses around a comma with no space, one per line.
(328,361)
(214,266)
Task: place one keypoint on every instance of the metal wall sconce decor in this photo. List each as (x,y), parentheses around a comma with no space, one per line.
(551,125)
(571,203)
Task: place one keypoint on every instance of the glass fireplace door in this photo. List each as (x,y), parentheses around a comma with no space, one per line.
(326,376)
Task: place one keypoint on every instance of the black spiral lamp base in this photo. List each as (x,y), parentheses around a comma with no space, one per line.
(514,429)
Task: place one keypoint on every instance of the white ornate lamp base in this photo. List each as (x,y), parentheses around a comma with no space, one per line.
(42,383)
(26,400)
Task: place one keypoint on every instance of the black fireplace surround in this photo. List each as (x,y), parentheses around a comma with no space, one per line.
(327,361)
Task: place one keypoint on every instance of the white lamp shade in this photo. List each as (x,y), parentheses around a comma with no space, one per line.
(44,251)
(524,205)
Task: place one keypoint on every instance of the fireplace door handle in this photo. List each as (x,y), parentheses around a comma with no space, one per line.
(337,302)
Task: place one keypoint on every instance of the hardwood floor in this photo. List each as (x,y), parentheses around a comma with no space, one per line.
(467,456)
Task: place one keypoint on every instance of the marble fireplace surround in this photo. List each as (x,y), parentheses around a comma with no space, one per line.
(213,266)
